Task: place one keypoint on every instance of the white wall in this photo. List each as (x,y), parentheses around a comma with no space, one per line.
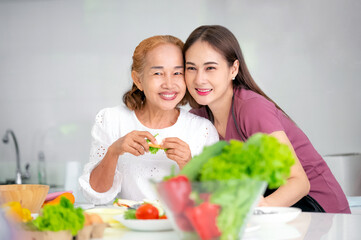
(62,61)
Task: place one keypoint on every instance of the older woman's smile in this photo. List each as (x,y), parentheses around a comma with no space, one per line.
(168,95)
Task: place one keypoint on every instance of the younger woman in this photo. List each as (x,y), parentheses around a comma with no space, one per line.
(224,92)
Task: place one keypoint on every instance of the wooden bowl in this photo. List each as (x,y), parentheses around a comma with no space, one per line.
(30,196)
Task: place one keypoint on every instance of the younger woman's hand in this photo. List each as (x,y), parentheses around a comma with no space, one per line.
(134,143)
(177,150)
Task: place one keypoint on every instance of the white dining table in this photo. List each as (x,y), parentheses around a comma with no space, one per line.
(312,226)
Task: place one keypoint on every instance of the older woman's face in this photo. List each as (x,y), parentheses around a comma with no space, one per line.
(163,77)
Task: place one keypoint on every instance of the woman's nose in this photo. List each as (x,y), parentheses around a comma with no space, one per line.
(168,81)
(199,78)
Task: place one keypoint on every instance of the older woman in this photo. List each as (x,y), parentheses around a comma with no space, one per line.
(120,161)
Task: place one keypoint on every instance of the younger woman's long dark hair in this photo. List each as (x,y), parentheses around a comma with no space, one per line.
(223,40)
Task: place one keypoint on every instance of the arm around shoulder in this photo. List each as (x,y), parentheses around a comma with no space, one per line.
(297,185)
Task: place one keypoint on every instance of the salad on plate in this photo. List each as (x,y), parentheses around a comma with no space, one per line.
(143,216)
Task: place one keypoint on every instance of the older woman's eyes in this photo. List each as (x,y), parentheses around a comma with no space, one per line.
(157,73)
(178,73)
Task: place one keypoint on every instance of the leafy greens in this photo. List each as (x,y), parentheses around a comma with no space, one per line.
(262,158)
(235,173)
(62,216)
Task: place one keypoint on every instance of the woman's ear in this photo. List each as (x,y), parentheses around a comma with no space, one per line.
(136,80)
(235,68)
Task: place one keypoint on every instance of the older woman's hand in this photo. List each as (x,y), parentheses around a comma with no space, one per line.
(177,150)
(134,143)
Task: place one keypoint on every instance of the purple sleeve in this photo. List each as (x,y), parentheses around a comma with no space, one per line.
(259,115)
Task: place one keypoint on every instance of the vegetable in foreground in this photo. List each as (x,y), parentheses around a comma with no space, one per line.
(58,219)
(62,216)
(215,191)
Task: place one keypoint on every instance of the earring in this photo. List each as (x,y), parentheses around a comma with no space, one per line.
(233,78)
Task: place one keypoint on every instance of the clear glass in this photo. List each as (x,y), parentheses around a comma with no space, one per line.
(212,210)
(7,231)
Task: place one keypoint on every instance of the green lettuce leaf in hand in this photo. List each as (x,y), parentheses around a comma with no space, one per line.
(154,150)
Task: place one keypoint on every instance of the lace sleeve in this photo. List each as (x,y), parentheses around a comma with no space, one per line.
(207,136)
(211,134)
(101,139)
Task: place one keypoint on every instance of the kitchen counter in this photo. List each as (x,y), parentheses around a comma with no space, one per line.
(305,226)
(312,226)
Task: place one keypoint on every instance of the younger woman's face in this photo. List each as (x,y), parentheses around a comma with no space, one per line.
(162,80)
(207,74)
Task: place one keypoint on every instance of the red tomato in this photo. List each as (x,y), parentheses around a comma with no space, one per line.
(147,211)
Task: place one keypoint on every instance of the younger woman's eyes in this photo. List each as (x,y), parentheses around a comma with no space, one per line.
(193,68)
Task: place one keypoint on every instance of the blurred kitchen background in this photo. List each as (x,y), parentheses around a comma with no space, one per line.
(61,61)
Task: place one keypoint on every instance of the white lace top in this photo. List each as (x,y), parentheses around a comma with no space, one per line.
(131,180)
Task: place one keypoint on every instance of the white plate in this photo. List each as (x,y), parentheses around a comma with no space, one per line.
(145,225)
(274,214)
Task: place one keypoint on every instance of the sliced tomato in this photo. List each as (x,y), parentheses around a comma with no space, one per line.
(163,217)
(147,211)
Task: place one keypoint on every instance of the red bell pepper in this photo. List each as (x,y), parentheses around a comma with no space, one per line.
(183,222)
(175,193)
(204,220)
(205,196)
